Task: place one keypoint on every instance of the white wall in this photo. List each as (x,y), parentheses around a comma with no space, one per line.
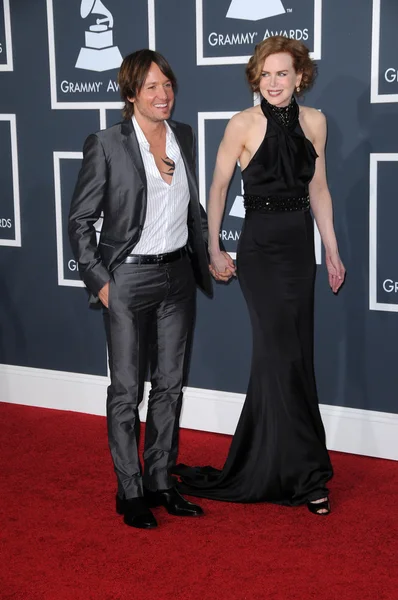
(351,430)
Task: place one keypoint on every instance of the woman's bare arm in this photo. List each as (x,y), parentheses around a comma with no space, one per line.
(321,201)
(230,149)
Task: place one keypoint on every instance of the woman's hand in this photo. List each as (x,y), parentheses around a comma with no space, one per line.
(222,266)
(336,271)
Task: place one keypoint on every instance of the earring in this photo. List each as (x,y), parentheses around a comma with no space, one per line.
(298,89)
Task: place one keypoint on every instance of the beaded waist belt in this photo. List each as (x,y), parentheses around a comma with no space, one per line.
(276,203)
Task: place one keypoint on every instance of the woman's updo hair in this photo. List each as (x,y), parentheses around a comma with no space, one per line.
(302,62)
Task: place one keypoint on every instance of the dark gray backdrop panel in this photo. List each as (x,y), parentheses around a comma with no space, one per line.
(220,33)
(7,224)
(48,326)
(3,47)
(130,20)
(388,75)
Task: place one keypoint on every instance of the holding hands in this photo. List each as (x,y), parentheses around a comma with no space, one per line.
(222,266)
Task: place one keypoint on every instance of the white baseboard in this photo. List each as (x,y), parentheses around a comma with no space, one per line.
(364,432)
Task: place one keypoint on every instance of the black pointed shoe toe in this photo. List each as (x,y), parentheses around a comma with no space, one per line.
(173,502)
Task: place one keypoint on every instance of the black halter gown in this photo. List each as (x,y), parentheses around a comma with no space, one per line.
(278,453)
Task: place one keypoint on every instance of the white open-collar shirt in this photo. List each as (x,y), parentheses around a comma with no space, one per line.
(165,227)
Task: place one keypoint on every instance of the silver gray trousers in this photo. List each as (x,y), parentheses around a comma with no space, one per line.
(149,322)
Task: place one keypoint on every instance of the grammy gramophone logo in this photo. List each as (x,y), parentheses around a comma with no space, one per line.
(99,53)
(254,10)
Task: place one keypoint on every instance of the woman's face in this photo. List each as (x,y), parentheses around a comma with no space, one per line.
(279,79)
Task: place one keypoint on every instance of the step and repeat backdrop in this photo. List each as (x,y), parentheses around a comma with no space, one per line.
(58,83)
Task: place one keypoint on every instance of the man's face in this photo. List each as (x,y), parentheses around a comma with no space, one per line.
(155,100)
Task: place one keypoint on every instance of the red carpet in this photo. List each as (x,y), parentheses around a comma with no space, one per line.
(61,539)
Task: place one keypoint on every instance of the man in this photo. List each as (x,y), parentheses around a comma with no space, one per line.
(141,174)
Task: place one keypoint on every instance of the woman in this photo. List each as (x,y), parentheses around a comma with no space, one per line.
(278,453)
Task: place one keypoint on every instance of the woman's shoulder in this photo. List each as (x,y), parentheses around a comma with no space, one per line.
(246,118)
(312,116)
(313,123)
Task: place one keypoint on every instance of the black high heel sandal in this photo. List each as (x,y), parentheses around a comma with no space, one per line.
(315,507)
